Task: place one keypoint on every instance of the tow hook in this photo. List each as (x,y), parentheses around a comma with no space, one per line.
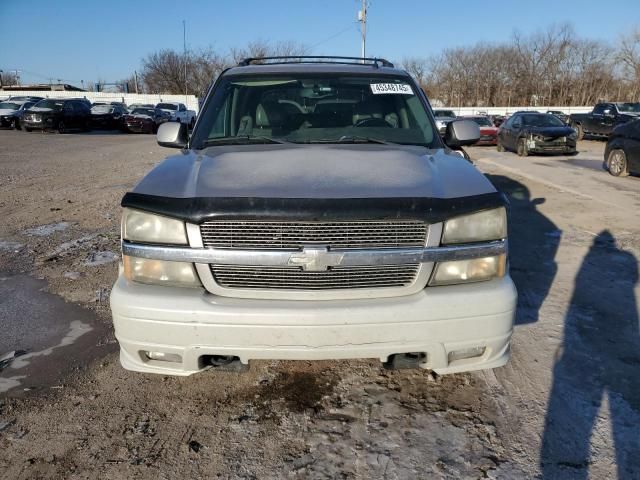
(226,363)
(400,361)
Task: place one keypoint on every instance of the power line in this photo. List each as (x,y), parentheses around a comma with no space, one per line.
(331,37)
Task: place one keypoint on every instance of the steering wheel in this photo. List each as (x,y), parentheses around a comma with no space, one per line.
(372,122)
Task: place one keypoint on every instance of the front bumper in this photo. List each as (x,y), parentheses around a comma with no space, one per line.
(6,120)
(487,140)
(194,323)
(537,146)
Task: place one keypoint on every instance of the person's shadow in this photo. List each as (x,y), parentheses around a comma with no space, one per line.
(600,357)
(533,244)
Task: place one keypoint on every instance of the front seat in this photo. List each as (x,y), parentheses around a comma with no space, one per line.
(370,111)
(269,119)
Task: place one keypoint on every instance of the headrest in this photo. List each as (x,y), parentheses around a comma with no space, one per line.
(269,115)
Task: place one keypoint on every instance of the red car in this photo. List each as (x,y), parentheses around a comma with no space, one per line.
(144,120)
(488,133)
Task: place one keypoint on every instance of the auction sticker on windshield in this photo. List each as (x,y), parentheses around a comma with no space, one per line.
(386,88)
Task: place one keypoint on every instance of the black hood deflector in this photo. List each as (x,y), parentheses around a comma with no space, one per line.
(201,209)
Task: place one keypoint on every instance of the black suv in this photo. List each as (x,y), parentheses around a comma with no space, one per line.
(58,114)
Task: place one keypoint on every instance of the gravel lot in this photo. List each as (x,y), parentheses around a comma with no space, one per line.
(70,411)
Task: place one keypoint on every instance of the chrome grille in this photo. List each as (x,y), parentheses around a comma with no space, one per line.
(296,235)
(294,278)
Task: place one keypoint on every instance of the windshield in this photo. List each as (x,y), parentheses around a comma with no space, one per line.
(101,109)
(50,104)
(629,107)
(444,113)
(314,109)
(541,120)
(167,106)
(482,121)
(9,106)
(143,111)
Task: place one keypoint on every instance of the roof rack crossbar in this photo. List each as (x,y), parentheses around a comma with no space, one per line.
(376,62)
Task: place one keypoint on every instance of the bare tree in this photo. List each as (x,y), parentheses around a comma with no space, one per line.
(164,71)
(8,78)
(549,67)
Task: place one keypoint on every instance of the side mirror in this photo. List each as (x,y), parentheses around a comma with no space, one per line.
(461,132)
(172,135)
(607,113)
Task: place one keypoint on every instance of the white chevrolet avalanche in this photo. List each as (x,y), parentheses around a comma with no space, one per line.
(314,213)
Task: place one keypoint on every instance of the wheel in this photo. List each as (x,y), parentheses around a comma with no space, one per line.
(579,131)
(617,163)
(17,124)
(192,123)
(14,124)
(87,126)
(500,147)
(27,129)
(523,151)
(61,127)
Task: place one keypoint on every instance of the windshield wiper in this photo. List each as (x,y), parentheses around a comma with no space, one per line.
(352,139)
(242,140)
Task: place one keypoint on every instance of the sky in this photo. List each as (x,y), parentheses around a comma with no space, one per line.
(89,40)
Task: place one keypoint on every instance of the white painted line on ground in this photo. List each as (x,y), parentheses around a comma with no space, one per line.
(546,182)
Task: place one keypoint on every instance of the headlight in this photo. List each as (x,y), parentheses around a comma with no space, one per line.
(138,226)
(537,138)
(573,136)
(158,272)
(477,227)
(466,271)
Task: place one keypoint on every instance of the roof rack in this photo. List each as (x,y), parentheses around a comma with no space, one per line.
(376,62)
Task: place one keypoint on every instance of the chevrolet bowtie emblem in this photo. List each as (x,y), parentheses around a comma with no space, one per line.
(315,259)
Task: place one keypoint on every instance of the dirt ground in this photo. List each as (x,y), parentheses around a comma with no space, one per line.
(566,406)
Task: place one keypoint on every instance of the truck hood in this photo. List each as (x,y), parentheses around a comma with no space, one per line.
(7,111)
(315,172)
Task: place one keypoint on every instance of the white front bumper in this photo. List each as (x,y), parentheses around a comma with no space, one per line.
(193,323)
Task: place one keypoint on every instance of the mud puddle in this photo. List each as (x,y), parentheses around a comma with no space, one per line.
(43,338)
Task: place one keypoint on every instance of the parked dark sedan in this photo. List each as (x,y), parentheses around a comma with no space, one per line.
(527,133)
(108,116)
(144,120)
(560,114)
(11,113)
(57,114)
(622,153)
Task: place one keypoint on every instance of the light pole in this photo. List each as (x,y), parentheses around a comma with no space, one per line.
(362,18)
(184,46)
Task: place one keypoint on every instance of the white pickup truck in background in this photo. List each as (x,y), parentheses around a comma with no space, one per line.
(178,112)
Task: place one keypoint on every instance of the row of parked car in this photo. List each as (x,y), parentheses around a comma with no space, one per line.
(66,114)
(532,132)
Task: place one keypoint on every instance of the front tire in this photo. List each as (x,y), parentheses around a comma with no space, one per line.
(62,128)
(27,129)
(617,163)
(522,151)
(579,131)
(500,147)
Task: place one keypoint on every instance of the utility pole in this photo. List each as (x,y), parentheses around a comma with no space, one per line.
(135,76)
(362,18)
(184,46)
